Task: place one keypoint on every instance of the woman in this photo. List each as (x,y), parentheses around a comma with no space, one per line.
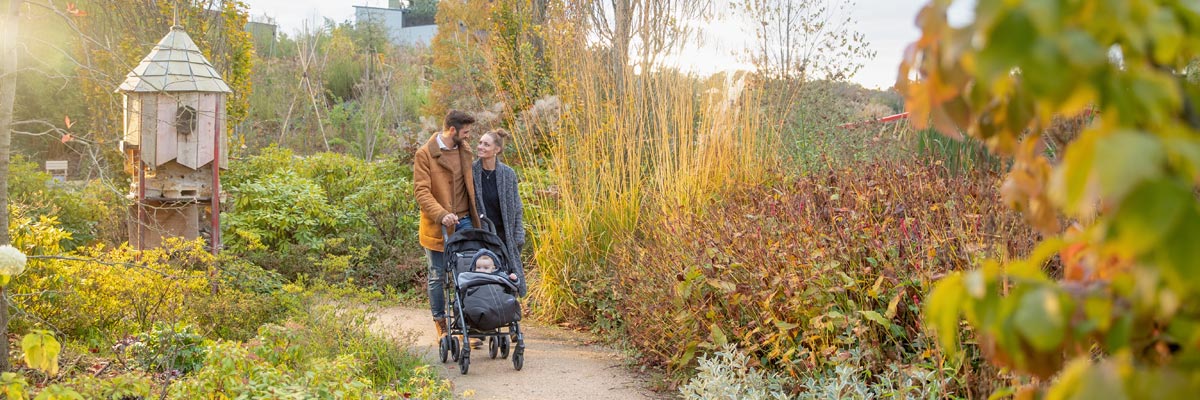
(497,197)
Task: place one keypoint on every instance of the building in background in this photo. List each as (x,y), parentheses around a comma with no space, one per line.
(264,33)
(406,23)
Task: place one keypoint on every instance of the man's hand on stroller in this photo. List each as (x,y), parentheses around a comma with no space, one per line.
(449,220)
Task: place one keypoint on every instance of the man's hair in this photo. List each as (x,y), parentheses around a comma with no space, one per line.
(457,120)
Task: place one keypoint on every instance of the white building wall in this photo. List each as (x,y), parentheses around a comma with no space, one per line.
(392,20)
(422,35)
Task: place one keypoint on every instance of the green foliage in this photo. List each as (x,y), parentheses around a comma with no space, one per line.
(278,211)
(13,386)
(89,213)
(327,215)
(516,45)
(326,352)
(169,347)
(232,371)
(42,352)
(420,12)
(59,392)
(957,155)
(1117,319)
(35,236)
(101,294)
(461,72)
(120,387)
(811,114)
(338,87)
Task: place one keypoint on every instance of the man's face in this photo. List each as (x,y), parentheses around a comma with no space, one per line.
(462,135)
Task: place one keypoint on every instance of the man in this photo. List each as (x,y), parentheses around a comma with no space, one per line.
(445,190)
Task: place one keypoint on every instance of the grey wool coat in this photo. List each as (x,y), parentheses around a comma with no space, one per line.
(510,210)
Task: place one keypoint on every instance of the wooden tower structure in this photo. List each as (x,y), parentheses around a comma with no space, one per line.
(174,143)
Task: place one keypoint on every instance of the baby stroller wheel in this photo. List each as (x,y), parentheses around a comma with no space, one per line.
(444,348)
(493,347)
(464,360)
(453,348)
(518,359)
(503,347)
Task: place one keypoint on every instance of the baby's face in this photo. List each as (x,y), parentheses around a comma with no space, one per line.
(485,264)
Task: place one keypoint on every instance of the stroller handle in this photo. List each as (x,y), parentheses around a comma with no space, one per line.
(487,223)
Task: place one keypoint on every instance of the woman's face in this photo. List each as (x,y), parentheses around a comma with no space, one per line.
(487,147)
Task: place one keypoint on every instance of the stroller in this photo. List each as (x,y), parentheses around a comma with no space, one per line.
(480,305)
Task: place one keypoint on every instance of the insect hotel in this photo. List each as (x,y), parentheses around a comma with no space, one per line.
(175,143)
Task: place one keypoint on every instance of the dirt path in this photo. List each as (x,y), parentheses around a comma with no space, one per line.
(558,364)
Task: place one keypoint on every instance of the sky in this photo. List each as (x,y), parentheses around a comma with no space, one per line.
(889,25)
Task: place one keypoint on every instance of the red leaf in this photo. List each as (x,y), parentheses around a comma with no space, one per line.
(75,11)
(67,120)
(67,138)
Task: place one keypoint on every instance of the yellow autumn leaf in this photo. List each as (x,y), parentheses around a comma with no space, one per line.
(41,351)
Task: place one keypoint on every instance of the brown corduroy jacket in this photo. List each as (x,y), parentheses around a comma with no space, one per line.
(431,182)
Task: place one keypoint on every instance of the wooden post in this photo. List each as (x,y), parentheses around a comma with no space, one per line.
(141,205)
(216,185)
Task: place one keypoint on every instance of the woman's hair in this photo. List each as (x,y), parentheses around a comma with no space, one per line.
(500,136)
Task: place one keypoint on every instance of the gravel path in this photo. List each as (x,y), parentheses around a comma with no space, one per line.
(559,364)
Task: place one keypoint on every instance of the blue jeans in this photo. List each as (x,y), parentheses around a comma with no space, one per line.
(437,275)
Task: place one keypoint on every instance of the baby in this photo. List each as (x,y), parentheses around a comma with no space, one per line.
(487,265)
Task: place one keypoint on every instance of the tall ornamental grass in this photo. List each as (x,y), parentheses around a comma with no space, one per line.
(632,151)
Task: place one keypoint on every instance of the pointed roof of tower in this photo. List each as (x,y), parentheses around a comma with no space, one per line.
(174,65)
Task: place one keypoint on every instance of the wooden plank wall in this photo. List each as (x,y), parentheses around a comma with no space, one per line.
(188,144)
(167,141)
(149,128)
(206,128)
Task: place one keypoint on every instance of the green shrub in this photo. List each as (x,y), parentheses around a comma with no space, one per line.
(278,211)
(231,371)
(327,328)
(99,294)
(327,216)
(121,387)
(91,212)
(325,348)
(958,155)
(169,347)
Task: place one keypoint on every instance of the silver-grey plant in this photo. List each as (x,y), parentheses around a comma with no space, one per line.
(727,374)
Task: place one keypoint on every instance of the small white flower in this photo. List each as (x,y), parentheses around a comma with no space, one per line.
(12,261)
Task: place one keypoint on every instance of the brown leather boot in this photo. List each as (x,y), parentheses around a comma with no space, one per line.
(441,326)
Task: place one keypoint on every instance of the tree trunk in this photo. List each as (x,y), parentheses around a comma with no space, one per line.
(622,35)
(8,92)
(539,20)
